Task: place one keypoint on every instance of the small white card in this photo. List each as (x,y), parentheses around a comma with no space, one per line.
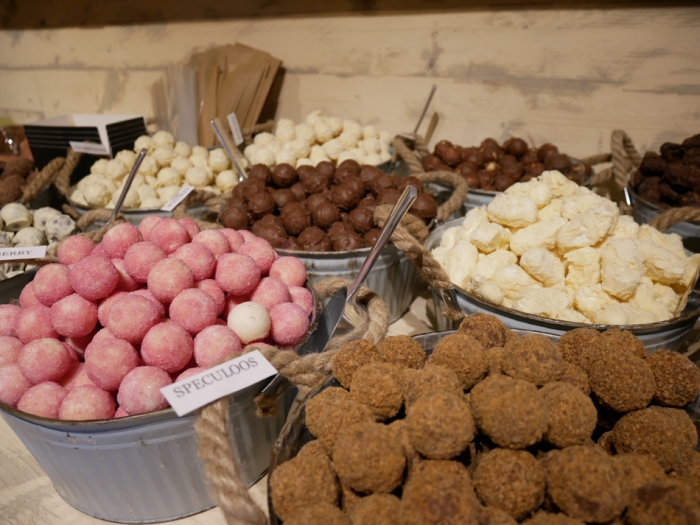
(217,382)
(88,147)
(22,252)
(235,129)
(178,198)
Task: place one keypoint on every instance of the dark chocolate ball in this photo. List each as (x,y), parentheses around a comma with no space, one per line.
(235,217)
(285,175)
(432,163)
(532,170)
(326,168)
(514,171)
(298,191)
(271,229)
(652,164)
(361,219)
(452,156)
(314,200)
(352,164)
(260,172)
(515,146)
(424,207)
(530,157)
(672,152)
(389,196)
(467,168)
(441,147)
(283,197)
(558,161)
(371,237)
(472,154)
(410,181)
(367,202)
(246,189)
(325,214)
(343,173)
(295,217)
(357,186)
(493,168)
(304,169)
(338,228)
(313,181)
(490,150)
(507,159)
(261,204)
(314,239)
(503,182)
(473,181)
(692,157)
(546,149)
(368,174)
(347,242)
(692,142)
(344,196)
(381,183)
(486,180)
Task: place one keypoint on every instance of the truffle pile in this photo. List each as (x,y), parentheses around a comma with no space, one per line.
(493,428)
(672,177)
(15,174)
(145,307)
(319,209)
(168,166)
(494,167)
(551,248)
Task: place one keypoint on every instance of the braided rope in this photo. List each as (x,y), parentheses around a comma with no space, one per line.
(459,193)
(673,216)
(625,157)
(42,180)
(195,198)
(408,156)
(62,179)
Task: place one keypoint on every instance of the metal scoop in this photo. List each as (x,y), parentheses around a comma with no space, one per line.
(228,146)
(127,185)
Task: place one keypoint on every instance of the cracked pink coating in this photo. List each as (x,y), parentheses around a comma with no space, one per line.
(261,252)
(13,384)
(35,323)
(169,235)
(109,362)
(290,323)
(52,283)
(235,239)
(237,274)
(105,304)
(188,373)
(290,270)
(140,259)
(94,277)
(140,390)
(74,316)
(131,317)
(118,239)
(270,292)
(126,282)
(44,360)
(75,377)
(74,248)
(120,413)
(250,321)
(190,225)
(9,349)
(168,346)
(198,258)
(143,292)
(194,310)
(9,316)
(43,400)
(168,278)
(27,297)
(214,345)
(214,240)
(231,302)
(87,403)
(303,298)
(147,224)
(215,292)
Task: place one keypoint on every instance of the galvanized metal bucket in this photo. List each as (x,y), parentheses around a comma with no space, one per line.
(655,336)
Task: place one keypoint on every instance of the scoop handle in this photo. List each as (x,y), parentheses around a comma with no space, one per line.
(228,146)
(127,185)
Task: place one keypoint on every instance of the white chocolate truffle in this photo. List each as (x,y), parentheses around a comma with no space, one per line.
(226,180)
(543,266)
(352,126)
(167,192)
(144,141)
(149,166)
(305,132)
(621,267)
(59,227)
(515,210)
(275,146)
(116,169)
(131,201)
(336,125)
(198,177)
(164,155)
(263,139)
(199,162)
(78,198)
(299,146)
(333,148)
(547,302)
(489,237)
(42,215)
(218,160)
(99,166)
(264,156)
(151,203)
(346,155)
(348,140)
(128,157)
(285,157)
(369,132)
(323,131)
(538,192)
(146,192)
(29,237)
(200,151)
(285,133)
(163,138)
(304,162)
(97,195)
(182,149)
(313,117)
(181,165)
(250,151)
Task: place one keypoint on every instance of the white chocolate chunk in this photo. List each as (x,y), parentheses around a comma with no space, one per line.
(513,280)
(539,192)
(543,266)
(514,210)
(587,229)
(645,298)
(546,302)
(625,228)
(583,266)
(489,237)
(663,266)
(621,267)
(539,235)
(558,183)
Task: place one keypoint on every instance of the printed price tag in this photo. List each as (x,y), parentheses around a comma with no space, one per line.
(214,383)
(235,129)
(178,198)
(22,252)
(89,147)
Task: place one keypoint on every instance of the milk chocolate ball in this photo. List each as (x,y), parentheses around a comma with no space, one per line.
(344,196)
(338,228)
(493,168)
(467,168)
(410,181)
(452,157)
(532,170)
(314,239)
(284,175)
(390,196)
(381,183)
(441,147)
(473,181)
(368,202)
(558,161)
(507,159)
(313,181)
(304,169)
(283,197)
(514,171)
(343,173)
(298,191)
(490,150)
(503,182)
(235,217)
(271,229)
(486,180)
(347,242)
(357,186)
(546,149)
(325,214)
(314,200)
(352,164)
(371,237)
(260,172)
(530,156)
(261,204)
(246,189)
(432,163)
(424,207)
(515,146)
(368,174)
(295,217)
(361,219)
(472,155)
(326,168)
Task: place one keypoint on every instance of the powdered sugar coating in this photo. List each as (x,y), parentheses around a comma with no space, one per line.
(52,283)
(188,373)
(87,403)
(290,270)
(140,390)
(143,292)
(215,344)
(27,298)
(13,384)
(214,240)
(120,413)
(74,316)
(9,316)
(290,324)
(234,238)
(237,274)
(35,323)
(94,277)
(169,235)
(147,224)
(303,298)
(250,321)
(75,377)
(198,258)
(168,346)
(43,400)
(75,248)
(168,278)
(215,292)
(119,238)
(109,362)
(140,259)
(9,349)
(99,251)
(79,344)
(131,317)
(270,292)
(44,360)
(190,225)
(126,282)
(261,252)
(194,310)
(105,304)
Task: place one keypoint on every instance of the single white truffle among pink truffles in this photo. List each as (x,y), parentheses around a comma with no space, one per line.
(44,360)
(140,390)
(168,278)
(198,258)
(235,239)
(261,252)
(194,310)
(131,317)
(250,321)
(87,403)
(215,292)
(303,298)
(270,292)
(52,283)
(214,345)
(109,361)
(290,324)
(119,238)
(237,274)
(290,270)
(169,235)
(106,303)
(9,316)
(94,277)
(140,259)
(74,248)
(43,400)
(214,240)
(126,282)
(188,373)
(9,349)
(190,225)
(13,384)
(231,302)
(75,377)
(147,224)
(27,297)
(74,316)
(35,323)
(168,346)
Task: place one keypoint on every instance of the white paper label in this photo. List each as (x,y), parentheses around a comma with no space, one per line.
(217,382)
(22,252)
(235,129)
(88,147)
(178,198)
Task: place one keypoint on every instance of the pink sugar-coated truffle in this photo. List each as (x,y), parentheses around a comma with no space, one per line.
(75,377)
(214,240)
(237,274)
(120,413)
(72,353)
(101,335)
(270,292)
(140,390)
(235,239)
(9,349)
(74,248)
(52,283)
(215,292)
(87,403)
(256,346)
(290,270)
(126,282)
(27,298)
(9,316)
(140,259)
(74,316)
(13,384)
(44,360)
(35,323)
(250,321)
(131,317)
(168,346)
(232,301)
(261,252)
(143,292)
(215,345)
(43,400)
(109,362)
(188,373)
(247,236)
(94,277)
(198,258)
(105,304)
(194,310)
(168,278)
(290,324)
(79,344)
(190,225)
(169,235)
(147,224)
(99,251)
(303,298)
(118,239)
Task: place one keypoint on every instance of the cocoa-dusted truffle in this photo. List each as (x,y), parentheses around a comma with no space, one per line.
(285,175)
(622,381)
(462,354)
(271,229)
(576,376)
(402,351)
(324,214)
(298,191)
(313,181)
(317,514)
(382,182)
(283,197)
(345,196)
(534,358)
(571,415)
(487,329)
(326,168)
(378,385)
(664,501)
(639,469)
(376,509)
(350,357)
(261,204)
(361,219)
(260,172)
(430,378)
(235,217)
(295,217)
(314,239)
(319,406)
(677,378)
(424,206)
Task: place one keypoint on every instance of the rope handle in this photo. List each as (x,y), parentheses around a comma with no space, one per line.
(624,157)
(62,180)
(42,180)
(672,216)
